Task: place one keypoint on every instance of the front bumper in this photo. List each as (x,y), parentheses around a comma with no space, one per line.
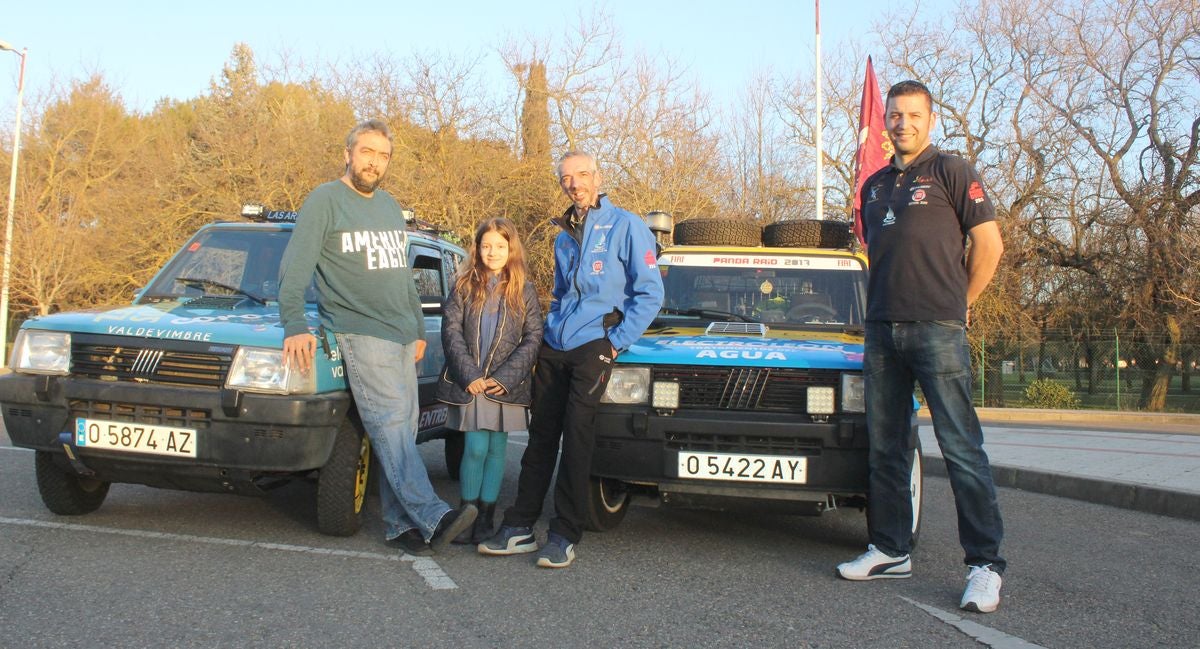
(241,437)
(638,446)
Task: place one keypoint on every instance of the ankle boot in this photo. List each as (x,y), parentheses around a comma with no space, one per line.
(484,523)
(468,534)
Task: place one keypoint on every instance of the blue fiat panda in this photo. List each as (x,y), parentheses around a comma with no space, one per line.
(747,390)
(185,388)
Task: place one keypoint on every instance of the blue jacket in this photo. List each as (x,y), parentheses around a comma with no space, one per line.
(618,269)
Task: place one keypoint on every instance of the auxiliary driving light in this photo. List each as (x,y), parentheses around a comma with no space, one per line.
(820,401)
(665,395)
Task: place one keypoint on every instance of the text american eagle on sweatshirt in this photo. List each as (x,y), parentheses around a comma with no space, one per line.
(384,248)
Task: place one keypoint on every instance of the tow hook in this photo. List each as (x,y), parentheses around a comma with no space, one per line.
(82,469)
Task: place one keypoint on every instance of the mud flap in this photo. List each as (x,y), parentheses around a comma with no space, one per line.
(82,469)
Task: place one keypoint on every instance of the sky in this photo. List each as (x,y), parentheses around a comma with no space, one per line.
(151,50)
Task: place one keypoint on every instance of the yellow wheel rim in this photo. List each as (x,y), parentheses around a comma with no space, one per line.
(360,478)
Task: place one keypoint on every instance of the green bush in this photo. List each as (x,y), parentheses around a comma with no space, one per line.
(1044,393)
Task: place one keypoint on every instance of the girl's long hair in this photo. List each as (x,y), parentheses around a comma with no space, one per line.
(472,278)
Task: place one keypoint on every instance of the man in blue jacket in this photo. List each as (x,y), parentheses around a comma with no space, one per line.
(607,291)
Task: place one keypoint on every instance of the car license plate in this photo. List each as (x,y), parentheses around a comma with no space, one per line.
(743,468)
(135,438)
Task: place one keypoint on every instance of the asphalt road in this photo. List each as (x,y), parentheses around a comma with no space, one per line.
(157,568)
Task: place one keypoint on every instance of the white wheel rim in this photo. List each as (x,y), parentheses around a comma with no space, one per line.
(605,500)
(914,486)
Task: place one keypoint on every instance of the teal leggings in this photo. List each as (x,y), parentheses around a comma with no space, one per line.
(483,465)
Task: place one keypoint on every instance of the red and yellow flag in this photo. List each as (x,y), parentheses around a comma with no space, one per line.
(874,147)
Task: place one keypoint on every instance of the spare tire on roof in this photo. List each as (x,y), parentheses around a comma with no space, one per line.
(717,232)
(808,233)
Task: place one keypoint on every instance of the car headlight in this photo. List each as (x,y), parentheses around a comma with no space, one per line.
(627,385)
(853,393)
(259,369)
(41,352)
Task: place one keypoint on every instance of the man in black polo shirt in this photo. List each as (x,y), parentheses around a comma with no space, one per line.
(918,214)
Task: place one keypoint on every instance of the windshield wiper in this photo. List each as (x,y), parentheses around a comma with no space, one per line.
(711,314)
(205,284)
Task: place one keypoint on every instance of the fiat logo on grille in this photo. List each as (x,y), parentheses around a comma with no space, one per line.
(146,362)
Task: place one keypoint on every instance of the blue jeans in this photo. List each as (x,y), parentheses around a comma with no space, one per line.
(936,355)
(383,377)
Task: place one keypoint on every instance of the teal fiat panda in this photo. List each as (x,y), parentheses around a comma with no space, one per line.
(185,388)
(747,390)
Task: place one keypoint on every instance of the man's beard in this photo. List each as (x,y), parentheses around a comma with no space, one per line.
(362,184)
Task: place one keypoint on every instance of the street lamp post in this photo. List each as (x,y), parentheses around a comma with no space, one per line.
(12,200)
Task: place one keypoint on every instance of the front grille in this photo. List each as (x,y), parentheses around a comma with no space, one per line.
(168,362)
(735,443)
(746,388)
(141,413)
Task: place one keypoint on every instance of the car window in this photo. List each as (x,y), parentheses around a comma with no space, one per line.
(225,262)
(451,260)
(801,295)
(427,271)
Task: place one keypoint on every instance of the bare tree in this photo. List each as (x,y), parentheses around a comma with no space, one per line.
(77,166)
(841,92)
(766,179)
(643,117)
(1121,79)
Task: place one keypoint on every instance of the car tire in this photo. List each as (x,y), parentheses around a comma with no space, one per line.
(455,442)
(717,232)
(342,482)
(608,500)
(807,233)
(65,492)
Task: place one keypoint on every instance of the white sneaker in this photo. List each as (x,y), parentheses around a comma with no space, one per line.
(874,564)
(983,590)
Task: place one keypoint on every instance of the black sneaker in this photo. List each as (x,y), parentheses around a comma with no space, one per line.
(509,540)
(558,552)
(452,524)
(411,542)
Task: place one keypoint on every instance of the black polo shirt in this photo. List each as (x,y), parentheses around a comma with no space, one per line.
(915,223)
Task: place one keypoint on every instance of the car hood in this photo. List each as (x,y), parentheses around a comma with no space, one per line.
(176,320)
(790,349)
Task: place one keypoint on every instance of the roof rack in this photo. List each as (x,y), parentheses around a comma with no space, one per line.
(256,212)
(413,223)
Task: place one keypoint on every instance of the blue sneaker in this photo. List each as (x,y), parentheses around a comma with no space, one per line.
(558,552)
(509,540)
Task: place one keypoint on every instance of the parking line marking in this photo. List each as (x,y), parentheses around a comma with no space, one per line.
(978,632)
(427,568)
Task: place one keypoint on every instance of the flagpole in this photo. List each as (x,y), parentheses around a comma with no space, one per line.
(820,126)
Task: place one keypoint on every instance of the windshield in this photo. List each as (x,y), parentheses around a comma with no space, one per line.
(777,290)
(233,262)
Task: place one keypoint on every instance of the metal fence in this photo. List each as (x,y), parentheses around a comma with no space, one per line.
(1059,369)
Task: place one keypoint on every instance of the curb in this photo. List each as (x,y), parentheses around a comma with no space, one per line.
(1142,498)
(1111,417)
